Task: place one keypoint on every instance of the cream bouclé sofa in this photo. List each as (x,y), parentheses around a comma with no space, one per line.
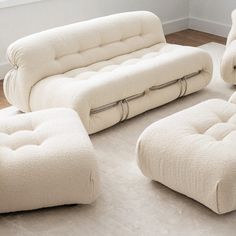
(228,64)
(107,69)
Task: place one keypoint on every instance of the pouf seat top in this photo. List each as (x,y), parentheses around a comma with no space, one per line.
(46,160)
(193,152)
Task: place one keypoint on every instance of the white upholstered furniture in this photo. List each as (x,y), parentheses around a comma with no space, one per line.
(193,152)
(228,64)
(107,69)
(46,159)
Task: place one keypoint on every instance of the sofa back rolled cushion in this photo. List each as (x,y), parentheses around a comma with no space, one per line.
(62,49)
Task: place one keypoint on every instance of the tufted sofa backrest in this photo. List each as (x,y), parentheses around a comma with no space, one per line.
(59,50)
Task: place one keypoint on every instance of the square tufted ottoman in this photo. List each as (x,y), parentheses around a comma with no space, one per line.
(46,159)
(194,152)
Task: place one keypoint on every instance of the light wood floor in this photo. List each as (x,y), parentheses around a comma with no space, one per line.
(193,38)
(3,101)
(186,37)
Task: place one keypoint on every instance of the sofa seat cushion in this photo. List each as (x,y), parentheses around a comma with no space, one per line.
(193,152)
(98,91)
(46,160)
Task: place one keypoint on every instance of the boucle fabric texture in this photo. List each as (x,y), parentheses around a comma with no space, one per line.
(131,204)
(107,69)
(193,153)
(46,159)
(228,64)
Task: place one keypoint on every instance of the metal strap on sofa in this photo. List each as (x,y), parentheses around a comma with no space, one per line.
(183,85)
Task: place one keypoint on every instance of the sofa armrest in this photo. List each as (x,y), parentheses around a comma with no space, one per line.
(232,99)
(232,33)
(228,64)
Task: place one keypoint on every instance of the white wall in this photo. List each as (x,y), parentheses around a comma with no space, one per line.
(212,16)
(22,20)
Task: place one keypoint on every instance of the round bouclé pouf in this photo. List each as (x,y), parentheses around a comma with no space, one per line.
(46,160)
(193,153)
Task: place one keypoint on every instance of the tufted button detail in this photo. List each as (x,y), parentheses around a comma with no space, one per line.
(19,131)
(219,130)
(129,59)
(24,146)
(20,134)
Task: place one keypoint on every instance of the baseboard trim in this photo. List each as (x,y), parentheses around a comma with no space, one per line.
(14,3)
(4,68)
(175,25)
(208,26)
